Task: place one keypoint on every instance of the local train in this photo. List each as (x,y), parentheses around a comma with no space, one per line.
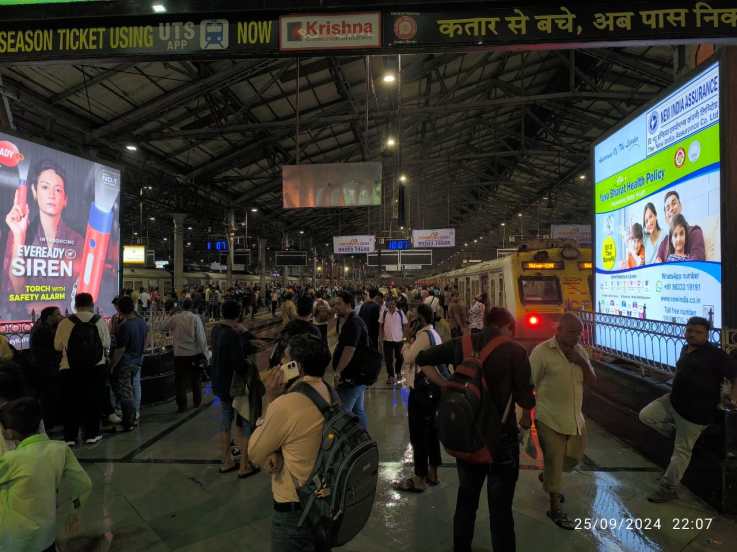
(536,284)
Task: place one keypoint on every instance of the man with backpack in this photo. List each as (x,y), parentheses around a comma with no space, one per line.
(290,441)
(504,381)
(83,340)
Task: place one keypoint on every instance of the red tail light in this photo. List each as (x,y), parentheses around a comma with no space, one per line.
(533,320)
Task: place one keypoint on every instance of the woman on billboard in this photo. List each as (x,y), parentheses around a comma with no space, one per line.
(41,251)
(652,233)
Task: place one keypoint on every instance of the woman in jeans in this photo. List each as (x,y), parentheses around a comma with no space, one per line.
(425,383)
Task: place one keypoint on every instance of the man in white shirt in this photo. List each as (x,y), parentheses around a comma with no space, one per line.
(83,387)
(429,299)
(560,367)
(392,323)
(145,299)
(190,346)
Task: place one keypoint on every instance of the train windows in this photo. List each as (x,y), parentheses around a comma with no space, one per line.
(540,290)
(492,291)
(501,292)
(484,283)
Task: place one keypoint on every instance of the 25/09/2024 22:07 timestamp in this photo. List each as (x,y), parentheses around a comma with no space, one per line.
(642,524)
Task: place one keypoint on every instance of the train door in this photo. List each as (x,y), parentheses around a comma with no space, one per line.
(474,288)
(492,291)
(467,291)
(485,283)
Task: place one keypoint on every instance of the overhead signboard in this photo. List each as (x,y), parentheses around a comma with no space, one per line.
(139,36)
(331,185)
(421,257)
(36,2)
(580,233)
(547,22)
(329,31)
(658,209)
(60,232)
(346,245)
(134,254)
(290,258)
(442,237)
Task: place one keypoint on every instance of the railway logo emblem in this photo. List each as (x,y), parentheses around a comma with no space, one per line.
(405,27)
(680,158)
(214,34)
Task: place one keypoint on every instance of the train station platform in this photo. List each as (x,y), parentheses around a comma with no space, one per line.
(158,489)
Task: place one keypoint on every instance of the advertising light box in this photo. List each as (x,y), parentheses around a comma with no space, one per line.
(657,209)
(59,232)
(134,254)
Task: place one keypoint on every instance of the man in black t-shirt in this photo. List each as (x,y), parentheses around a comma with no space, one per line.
(353,334)
(370,315)
(301,325)
(690,407)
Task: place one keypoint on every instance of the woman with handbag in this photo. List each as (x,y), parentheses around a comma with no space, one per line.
(425,383)
(237,385)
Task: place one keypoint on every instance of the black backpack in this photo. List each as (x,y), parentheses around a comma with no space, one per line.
(84,348)
(365,365)
(339,494)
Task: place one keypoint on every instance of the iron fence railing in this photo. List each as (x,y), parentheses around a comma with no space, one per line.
(649,344)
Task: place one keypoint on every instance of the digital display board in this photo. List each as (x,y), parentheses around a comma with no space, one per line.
(134,254)
(657,209)
(219,245)
(59,231)
(398,244)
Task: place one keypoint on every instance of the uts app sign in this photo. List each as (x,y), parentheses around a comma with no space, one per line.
(58,229)
(329,32)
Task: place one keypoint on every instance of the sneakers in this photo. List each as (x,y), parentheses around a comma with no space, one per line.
(93,440)
(663,494)
(114,418)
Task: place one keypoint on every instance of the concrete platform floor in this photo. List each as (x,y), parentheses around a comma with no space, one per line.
(158,490)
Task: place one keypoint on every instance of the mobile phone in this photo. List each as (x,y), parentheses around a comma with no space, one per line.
(290,370)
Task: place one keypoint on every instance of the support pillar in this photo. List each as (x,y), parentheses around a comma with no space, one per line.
(178,219)
(231,249)
(262,264)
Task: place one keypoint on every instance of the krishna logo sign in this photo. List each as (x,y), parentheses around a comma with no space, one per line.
(443,237)
(330,32)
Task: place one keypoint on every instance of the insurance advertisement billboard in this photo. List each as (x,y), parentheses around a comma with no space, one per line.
(657,209)
(331,185)
(59,232)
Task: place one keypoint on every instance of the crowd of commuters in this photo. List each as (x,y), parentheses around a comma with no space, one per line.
(84,374)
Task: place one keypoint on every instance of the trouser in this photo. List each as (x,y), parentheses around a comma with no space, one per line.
(393,357)
(663,418)
(456,332)
(82,396)
(561,453)
(123,384)
(274,304)
(501,479)
(351,398)
(187,378)
(324,334)
(423,434)
(287,536)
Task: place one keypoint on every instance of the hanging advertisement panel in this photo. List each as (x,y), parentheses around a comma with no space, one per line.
(331,185)
(329,31)
(442,237)
(134,254)
(657,204)
(49,201)
(579,233)
(346,245)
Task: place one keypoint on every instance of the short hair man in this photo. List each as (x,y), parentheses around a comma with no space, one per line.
(685,412)
(560,368)
(287,439)
(82,386)
(300,325)
(695,248)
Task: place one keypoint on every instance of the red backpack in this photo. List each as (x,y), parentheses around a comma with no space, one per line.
(460,407)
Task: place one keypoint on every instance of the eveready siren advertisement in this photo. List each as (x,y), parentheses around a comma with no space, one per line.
(59,231)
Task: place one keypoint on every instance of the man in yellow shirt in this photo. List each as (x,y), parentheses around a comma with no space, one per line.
(40,481)
(560,367)
(287,440)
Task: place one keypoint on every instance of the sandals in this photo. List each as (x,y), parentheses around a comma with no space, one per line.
(561,520)
(407,486)
(254,471)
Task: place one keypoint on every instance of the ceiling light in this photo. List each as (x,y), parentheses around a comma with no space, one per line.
(475,241)
(504,224)
(135,233)
(189,243)
(301,232)
(403,178)
(582,177)
(131,147)
(166,239)
(519,214)
(401,227)
(254,209)
(465,244)
(390,142)
(189,228)
(159,8)
(389,78)
(151,218)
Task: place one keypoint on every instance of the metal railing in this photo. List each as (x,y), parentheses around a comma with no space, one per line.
(650,345)
(18,333)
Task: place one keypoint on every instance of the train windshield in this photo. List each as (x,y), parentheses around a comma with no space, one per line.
(541,290)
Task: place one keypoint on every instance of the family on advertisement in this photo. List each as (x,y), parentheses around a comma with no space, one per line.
(46,199)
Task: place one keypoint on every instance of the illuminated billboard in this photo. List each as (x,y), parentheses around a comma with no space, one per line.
(657,209)
(59,232)
(331,185)
(134,254)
